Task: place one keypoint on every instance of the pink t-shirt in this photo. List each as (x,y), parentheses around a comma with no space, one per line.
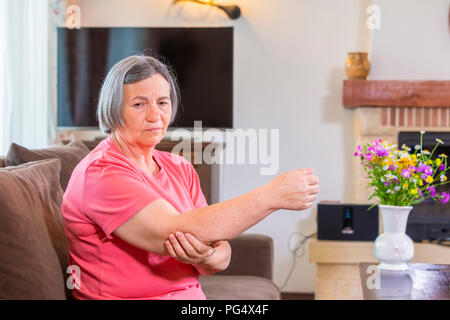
(105,190)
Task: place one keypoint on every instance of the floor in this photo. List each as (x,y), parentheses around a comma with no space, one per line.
(297,296)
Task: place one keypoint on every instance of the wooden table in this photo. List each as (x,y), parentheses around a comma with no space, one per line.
(420,282)
(338,265)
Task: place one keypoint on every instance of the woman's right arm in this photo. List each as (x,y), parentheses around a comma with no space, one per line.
(150,227)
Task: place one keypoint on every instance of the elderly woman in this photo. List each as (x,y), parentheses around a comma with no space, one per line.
(137,222)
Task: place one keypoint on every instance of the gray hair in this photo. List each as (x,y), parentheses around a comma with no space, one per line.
(130,70)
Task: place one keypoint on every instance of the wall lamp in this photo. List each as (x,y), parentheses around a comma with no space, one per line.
(233,12)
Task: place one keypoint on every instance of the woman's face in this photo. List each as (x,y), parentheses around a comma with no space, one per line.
(147,110)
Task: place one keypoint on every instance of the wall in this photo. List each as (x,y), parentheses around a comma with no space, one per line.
(413,42)
(289,66)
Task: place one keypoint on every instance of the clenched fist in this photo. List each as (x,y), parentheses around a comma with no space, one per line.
(295,190)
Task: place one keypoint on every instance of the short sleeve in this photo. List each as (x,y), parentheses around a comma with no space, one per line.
(195,189)
(112,194)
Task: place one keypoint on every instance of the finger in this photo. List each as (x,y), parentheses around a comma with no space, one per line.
(314,190)
(312,180)
(188,248)
(177,247)
(306,170)
(309,204)
(170,249)
(199,246)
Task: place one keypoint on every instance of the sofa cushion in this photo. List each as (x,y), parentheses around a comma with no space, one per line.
(252,256)
(70,155)
(33,247)
(222,287)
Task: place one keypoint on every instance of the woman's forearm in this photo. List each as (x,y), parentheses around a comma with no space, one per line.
(227,219)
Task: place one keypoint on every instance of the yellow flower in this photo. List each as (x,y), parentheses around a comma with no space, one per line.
(420,183)
(405,186)
(413,191)
(438,162)
(429,179)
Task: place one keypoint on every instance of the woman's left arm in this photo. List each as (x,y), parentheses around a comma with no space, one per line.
(206,259)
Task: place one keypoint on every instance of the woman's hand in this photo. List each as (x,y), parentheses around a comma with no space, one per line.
(294,190)
(206,259)
(188,249)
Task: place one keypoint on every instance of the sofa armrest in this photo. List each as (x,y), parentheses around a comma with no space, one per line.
(252,255)
(2,162)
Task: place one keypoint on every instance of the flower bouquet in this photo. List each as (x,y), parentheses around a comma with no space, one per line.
(400,179)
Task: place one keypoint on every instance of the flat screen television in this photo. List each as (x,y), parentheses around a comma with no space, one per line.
(202,59)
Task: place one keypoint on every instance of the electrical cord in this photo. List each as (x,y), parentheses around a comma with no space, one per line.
(299,245)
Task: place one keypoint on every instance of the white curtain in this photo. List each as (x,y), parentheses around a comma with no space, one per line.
(24,74)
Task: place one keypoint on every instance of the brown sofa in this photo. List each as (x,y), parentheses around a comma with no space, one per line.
(33,247)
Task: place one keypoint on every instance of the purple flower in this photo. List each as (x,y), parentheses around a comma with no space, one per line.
(414,169)
(356,154)
(406,173)
(392,167)
(381,152)
(423,177)
(369,156)
(387,184)
(442,167)
(425,169)
(432,191)
(445,197)
(420,192)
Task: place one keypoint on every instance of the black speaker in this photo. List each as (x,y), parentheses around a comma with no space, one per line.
(347,222)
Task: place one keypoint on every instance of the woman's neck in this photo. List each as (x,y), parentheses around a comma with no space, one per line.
(143,157)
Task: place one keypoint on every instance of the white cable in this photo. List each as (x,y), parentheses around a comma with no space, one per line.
(299,245)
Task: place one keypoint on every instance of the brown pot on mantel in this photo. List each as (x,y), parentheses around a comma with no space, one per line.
(357,65)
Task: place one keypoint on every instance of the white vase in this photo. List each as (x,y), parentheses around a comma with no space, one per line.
(394,248)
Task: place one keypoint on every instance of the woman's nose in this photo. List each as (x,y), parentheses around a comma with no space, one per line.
(153,113)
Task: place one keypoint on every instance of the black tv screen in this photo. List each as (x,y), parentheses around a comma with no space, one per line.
(202,59)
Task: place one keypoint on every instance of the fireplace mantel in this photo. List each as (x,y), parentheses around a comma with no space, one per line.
(396,93)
